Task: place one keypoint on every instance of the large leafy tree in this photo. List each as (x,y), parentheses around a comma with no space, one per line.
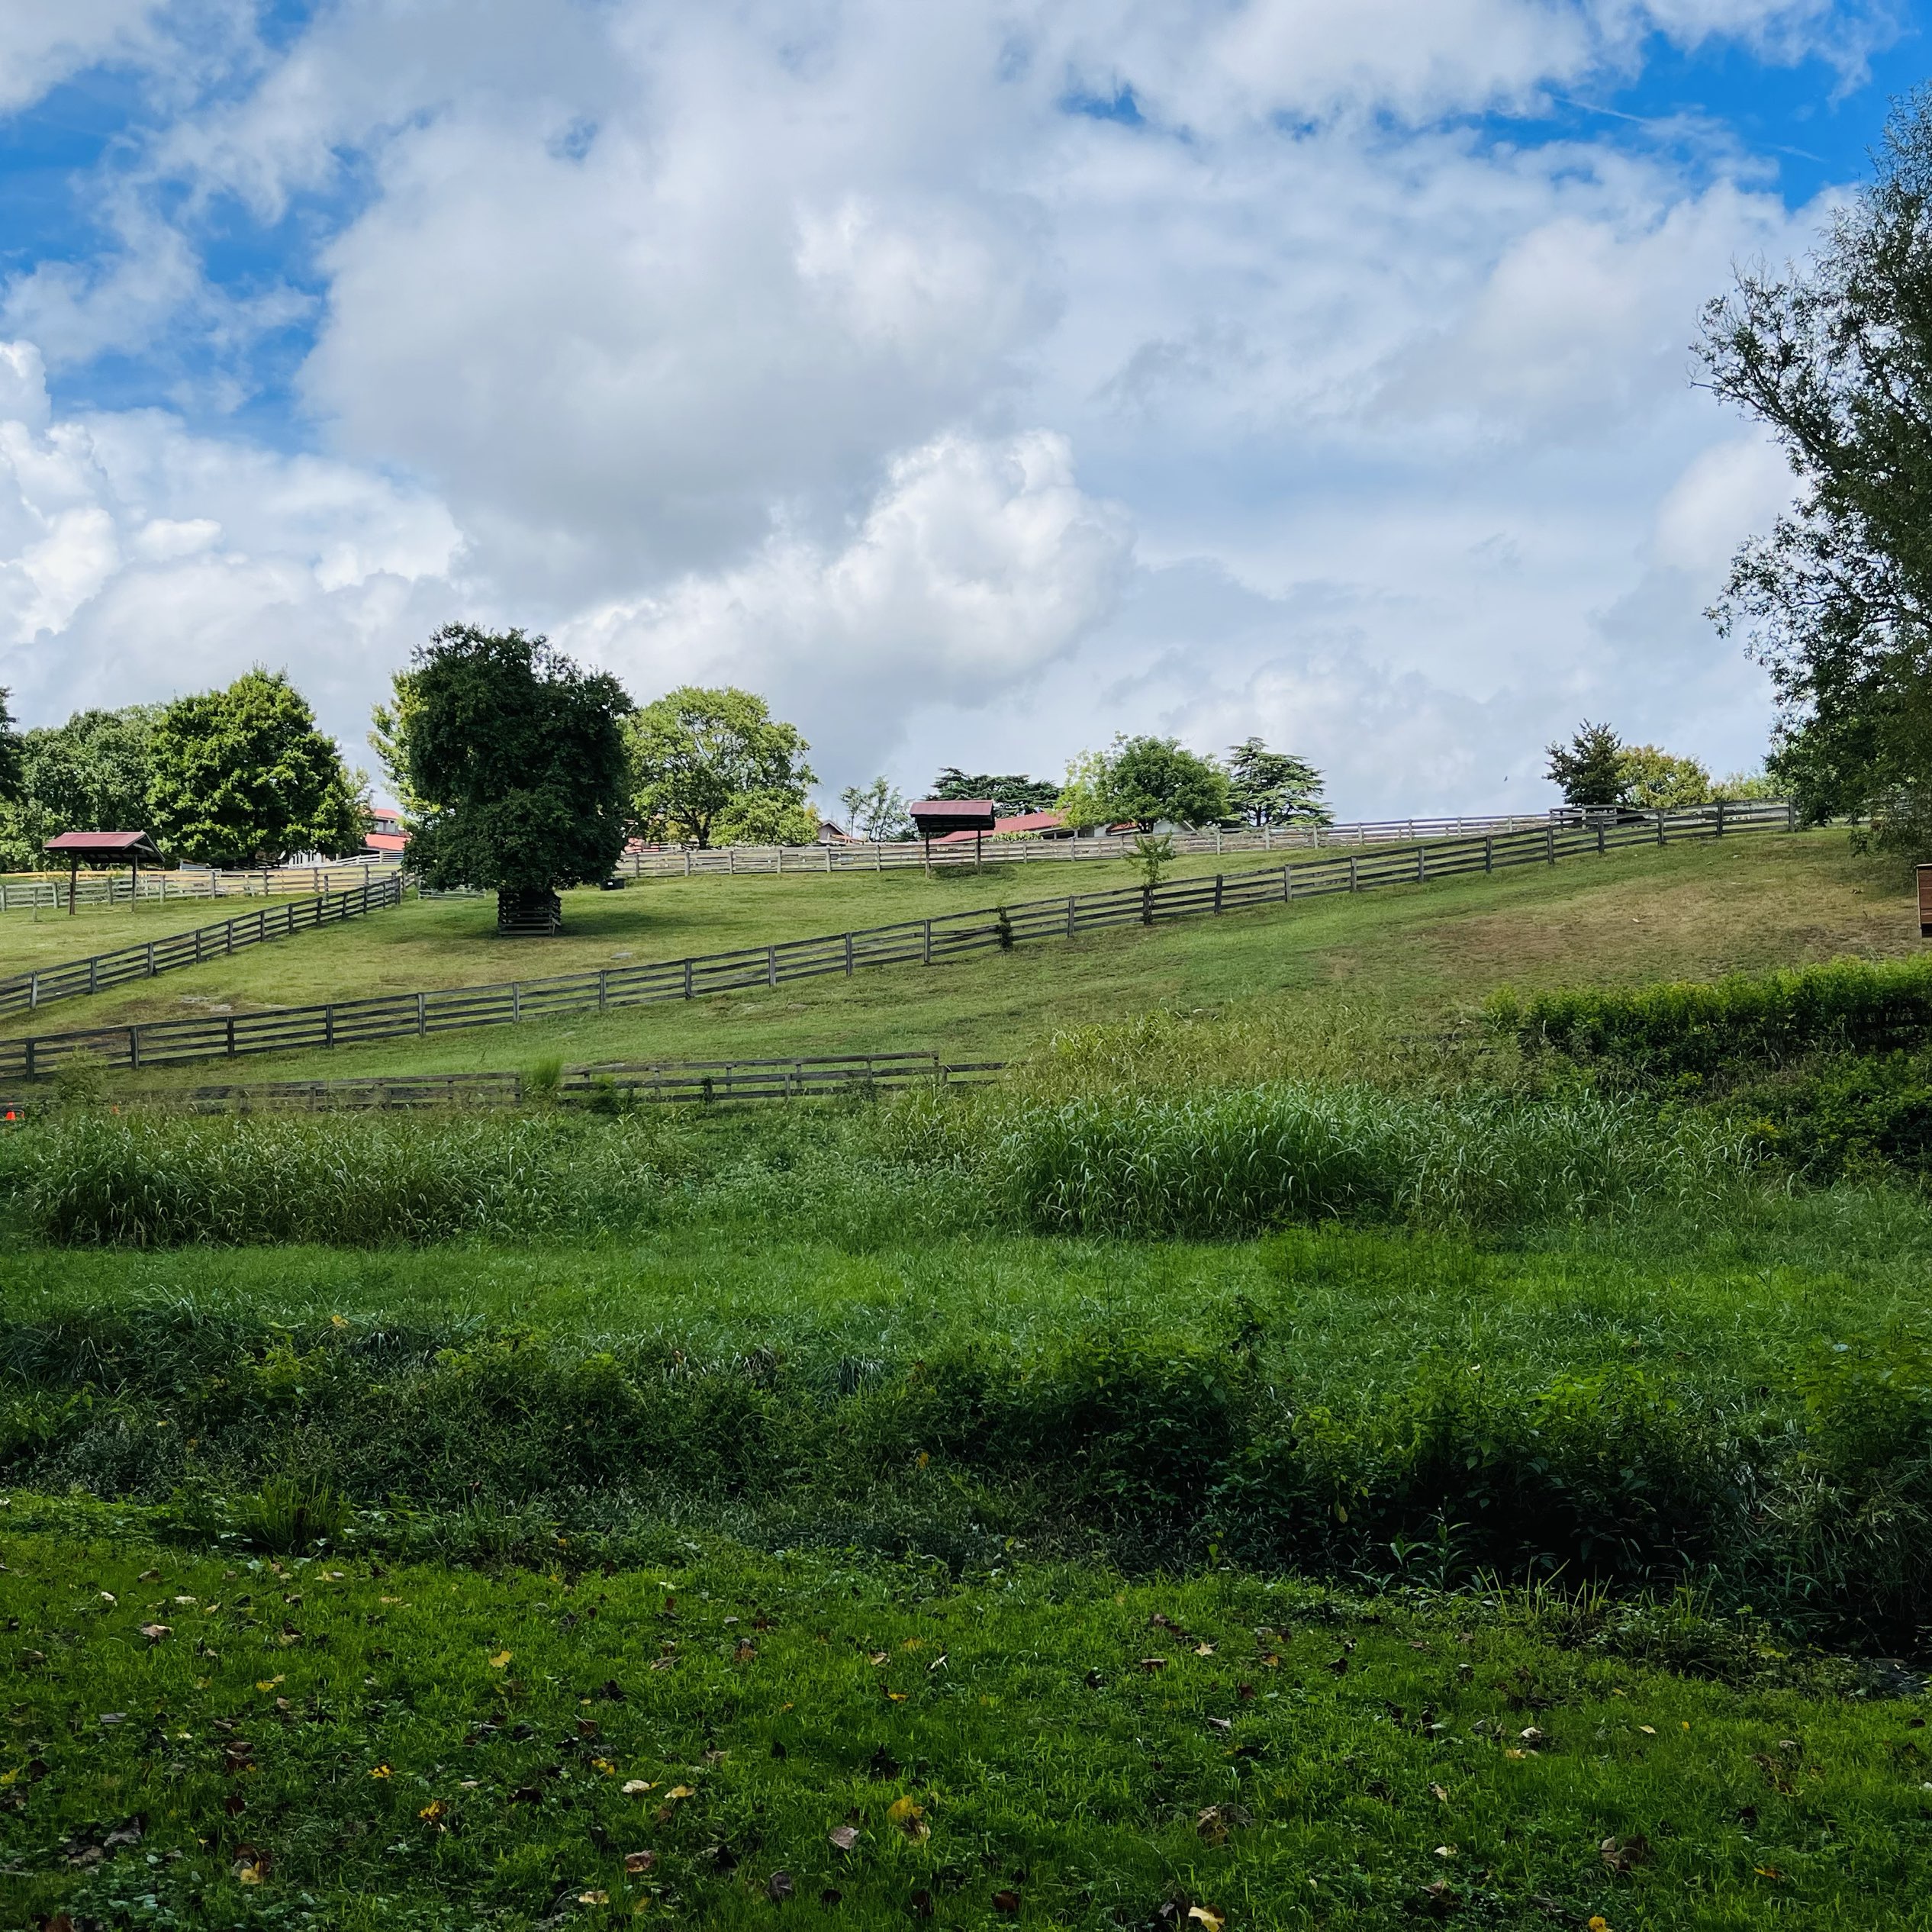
(241,776)
(1150,779)
(1590,767)
(1274,787)
(706,763)
(1834,357)
(1662,781)
(511,758)
(89,775)
(1012,793)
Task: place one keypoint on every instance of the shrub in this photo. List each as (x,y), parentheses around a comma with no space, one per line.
(1696,1028)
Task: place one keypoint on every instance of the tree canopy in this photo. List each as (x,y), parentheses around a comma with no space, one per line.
(1660,780)
(1153,779)
(704,763)
(512,758)
(1012,793)
(241,777)
(12,770)
(1834,357)
(1589,769)
(89,775)
(877,811)
(1268,787)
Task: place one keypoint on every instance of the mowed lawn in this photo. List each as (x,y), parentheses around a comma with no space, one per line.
(1403,955)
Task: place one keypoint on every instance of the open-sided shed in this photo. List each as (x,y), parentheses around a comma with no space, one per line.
(101,848)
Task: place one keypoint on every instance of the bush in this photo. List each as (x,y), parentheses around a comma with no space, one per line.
(1691,1029)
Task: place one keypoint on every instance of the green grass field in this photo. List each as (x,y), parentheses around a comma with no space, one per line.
(1397,960)
(738,1518)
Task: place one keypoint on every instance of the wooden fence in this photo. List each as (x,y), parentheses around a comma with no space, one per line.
(955,935)
(47,891)
(684,862)
(702,1082)
(26,992)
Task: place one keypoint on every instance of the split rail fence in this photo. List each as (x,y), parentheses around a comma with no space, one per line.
(47,892)
(27,992)
(703,1082)
(931,941)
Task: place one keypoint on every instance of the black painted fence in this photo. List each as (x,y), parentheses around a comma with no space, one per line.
(933,941)
(73,978)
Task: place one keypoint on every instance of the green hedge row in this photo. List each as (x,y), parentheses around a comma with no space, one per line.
(1670,1030)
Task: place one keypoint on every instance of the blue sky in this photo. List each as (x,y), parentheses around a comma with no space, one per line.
(1314,367)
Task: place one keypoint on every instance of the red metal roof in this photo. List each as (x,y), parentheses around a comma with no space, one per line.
(385,842)
(967,813)
(101,841)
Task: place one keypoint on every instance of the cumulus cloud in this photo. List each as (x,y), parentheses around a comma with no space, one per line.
(976,380)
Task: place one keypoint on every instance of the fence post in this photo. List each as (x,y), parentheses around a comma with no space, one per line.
(771,965)
(1422,873)
(927,960)
(516,1003)
(422,1013)
(1599,838)
(848,947)
(231,1036)
(1072,903)
(33,989)
(1489,852)
(688,862)
(94,973)
(603,989)
(1268,838)
(1354,881)
(329,1024)
(1550,840)
(1660,825)
(31,1044)
(828,856)
(1217,877)
(1721,818)
(134,1048)
(687,979)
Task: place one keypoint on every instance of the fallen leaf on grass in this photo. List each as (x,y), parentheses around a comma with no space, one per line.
(682,1791)
(432,1810)
(1648,1730)
(1204,1649)
(843,1837)
(878,1657)
(639,1861)
(497,1662)
(593,1899)
(636,1787)
(381,1771)
(157,1633)
(778,1888)
(910,1818)
(1006,1904)
(251,1866)
(1624,1854)
(1209,1916)
(269,1683)
(1153,1663)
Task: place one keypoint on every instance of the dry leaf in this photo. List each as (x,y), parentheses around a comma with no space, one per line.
(432,1810)
(879,1656)
(636,1788)
(843,1837)
(381,1771)
(593,1899)
(497,1662)
(156,1633)
(1204,1649)
(1445,1851)
(1153,1663)
(1007,1903)
(1621,1855)
(682,1790)
(910,1818)
(269,1683)
(778,1888)
(1530,1736)
(1209,1918)
(1211,1826)
(1439,1794)
(639,1861)
(1648,1730)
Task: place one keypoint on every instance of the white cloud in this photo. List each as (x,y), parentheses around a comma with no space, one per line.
(41,45)
(823,347)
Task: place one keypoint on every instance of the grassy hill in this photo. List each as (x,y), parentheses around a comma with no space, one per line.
(1400,957)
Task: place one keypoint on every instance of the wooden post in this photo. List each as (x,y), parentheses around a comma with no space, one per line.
(1072,913)
(771,965)
(1489,852)
(927,960)
(1550,840)
(1354,881)
(1421,871)
(73,879)
(848,947)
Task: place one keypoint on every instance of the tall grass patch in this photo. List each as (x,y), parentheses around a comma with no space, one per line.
(1236,1161)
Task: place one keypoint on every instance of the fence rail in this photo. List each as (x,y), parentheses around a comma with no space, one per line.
(27,992)
(31,891)
(684,862)
(955,935)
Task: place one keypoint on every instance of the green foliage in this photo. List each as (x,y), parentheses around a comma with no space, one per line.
(1590,767)
(1151,858)
(1670,1031)
(12,773)
(876,811)
(513,759)
(1012,793)
(1150,779)
(1835,359)
(1747,785)
(1082,799)
(89,775)
(1659,781)
(241,776)
(1266,787)
(700,758)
